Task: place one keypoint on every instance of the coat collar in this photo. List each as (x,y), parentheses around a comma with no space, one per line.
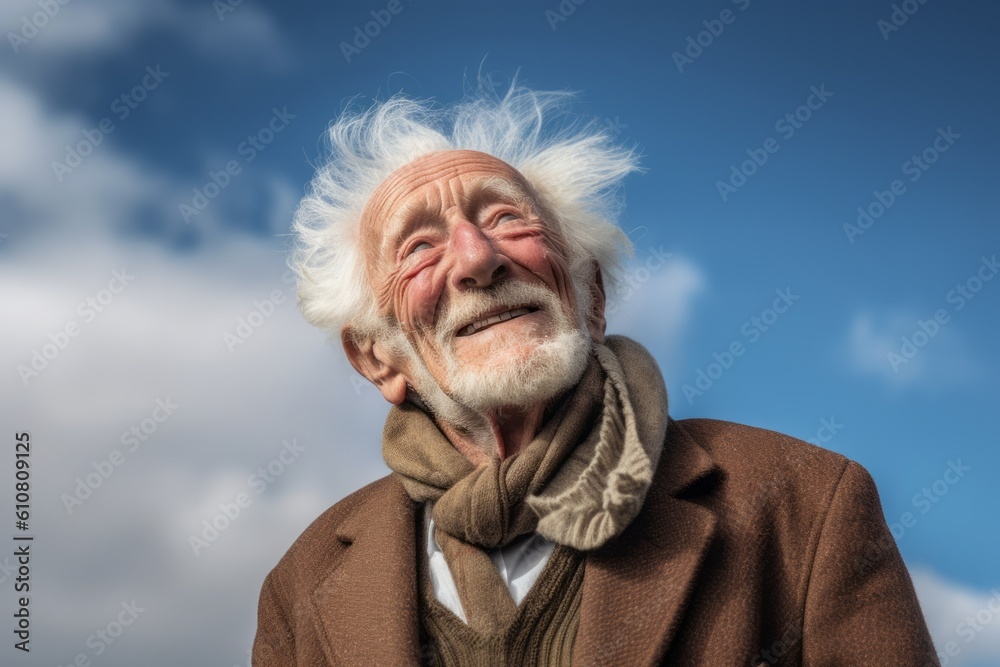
(366,604)
(635,589)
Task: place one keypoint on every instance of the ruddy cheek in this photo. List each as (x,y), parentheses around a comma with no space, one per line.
(419,297)
(528,251)
(558,277)
(535,254)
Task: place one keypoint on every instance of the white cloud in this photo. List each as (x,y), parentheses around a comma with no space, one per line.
(964,622)
(107,26)
(76,26)
(106,191)
(653,299)
(105,187)
(896,349)
(162,337)
(245,33)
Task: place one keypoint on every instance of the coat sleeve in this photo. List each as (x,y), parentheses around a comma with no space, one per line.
(860,606)
(274,644)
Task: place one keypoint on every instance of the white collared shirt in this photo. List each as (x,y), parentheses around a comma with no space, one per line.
(519,564)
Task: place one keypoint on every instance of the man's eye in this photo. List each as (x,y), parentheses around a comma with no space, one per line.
(507,217)
(420,246)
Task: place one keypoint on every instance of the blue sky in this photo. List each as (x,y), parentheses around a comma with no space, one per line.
(834,105)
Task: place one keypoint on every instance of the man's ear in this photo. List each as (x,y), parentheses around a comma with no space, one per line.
(373,361)
(596,322)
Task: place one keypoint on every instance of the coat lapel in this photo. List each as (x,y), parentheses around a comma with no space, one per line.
(366,605)
(636,588)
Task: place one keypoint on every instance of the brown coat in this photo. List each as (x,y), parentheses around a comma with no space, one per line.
(752,548)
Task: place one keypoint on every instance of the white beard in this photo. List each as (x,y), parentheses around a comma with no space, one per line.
(506,378)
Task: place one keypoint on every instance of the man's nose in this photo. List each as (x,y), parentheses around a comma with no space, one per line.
(477,262)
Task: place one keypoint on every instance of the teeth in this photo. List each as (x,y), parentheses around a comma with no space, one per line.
(501,317)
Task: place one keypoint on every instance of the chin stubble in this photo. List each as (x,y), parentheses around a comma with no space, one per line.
(553,365)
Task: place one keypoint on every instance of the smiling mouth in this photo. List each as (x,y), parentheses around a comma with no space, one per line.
(489,320)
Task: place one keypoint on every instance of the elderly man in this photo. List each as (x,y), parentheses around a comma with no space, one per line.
(543,508)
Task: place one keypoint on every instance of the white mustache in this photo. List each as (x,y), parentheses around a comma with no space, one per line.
(508,295)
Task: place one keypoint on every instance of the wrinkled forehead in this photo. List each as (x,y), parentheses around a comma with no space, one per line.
(431,170)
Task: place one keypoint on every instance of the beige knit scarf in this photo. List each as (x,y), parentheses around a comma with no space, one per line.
(580,481)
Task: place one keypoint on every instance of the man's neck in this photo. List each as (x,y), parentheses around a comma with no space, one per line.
(507,431)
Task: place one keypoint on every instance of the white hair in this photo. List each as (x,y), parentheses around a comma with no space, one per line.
(574,170)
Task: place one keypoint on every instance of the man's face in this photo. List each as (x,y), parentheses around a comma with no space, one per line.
(461,257)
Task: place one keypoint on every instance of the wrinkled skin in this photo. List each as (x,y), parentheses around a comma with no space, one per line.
(438,229)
